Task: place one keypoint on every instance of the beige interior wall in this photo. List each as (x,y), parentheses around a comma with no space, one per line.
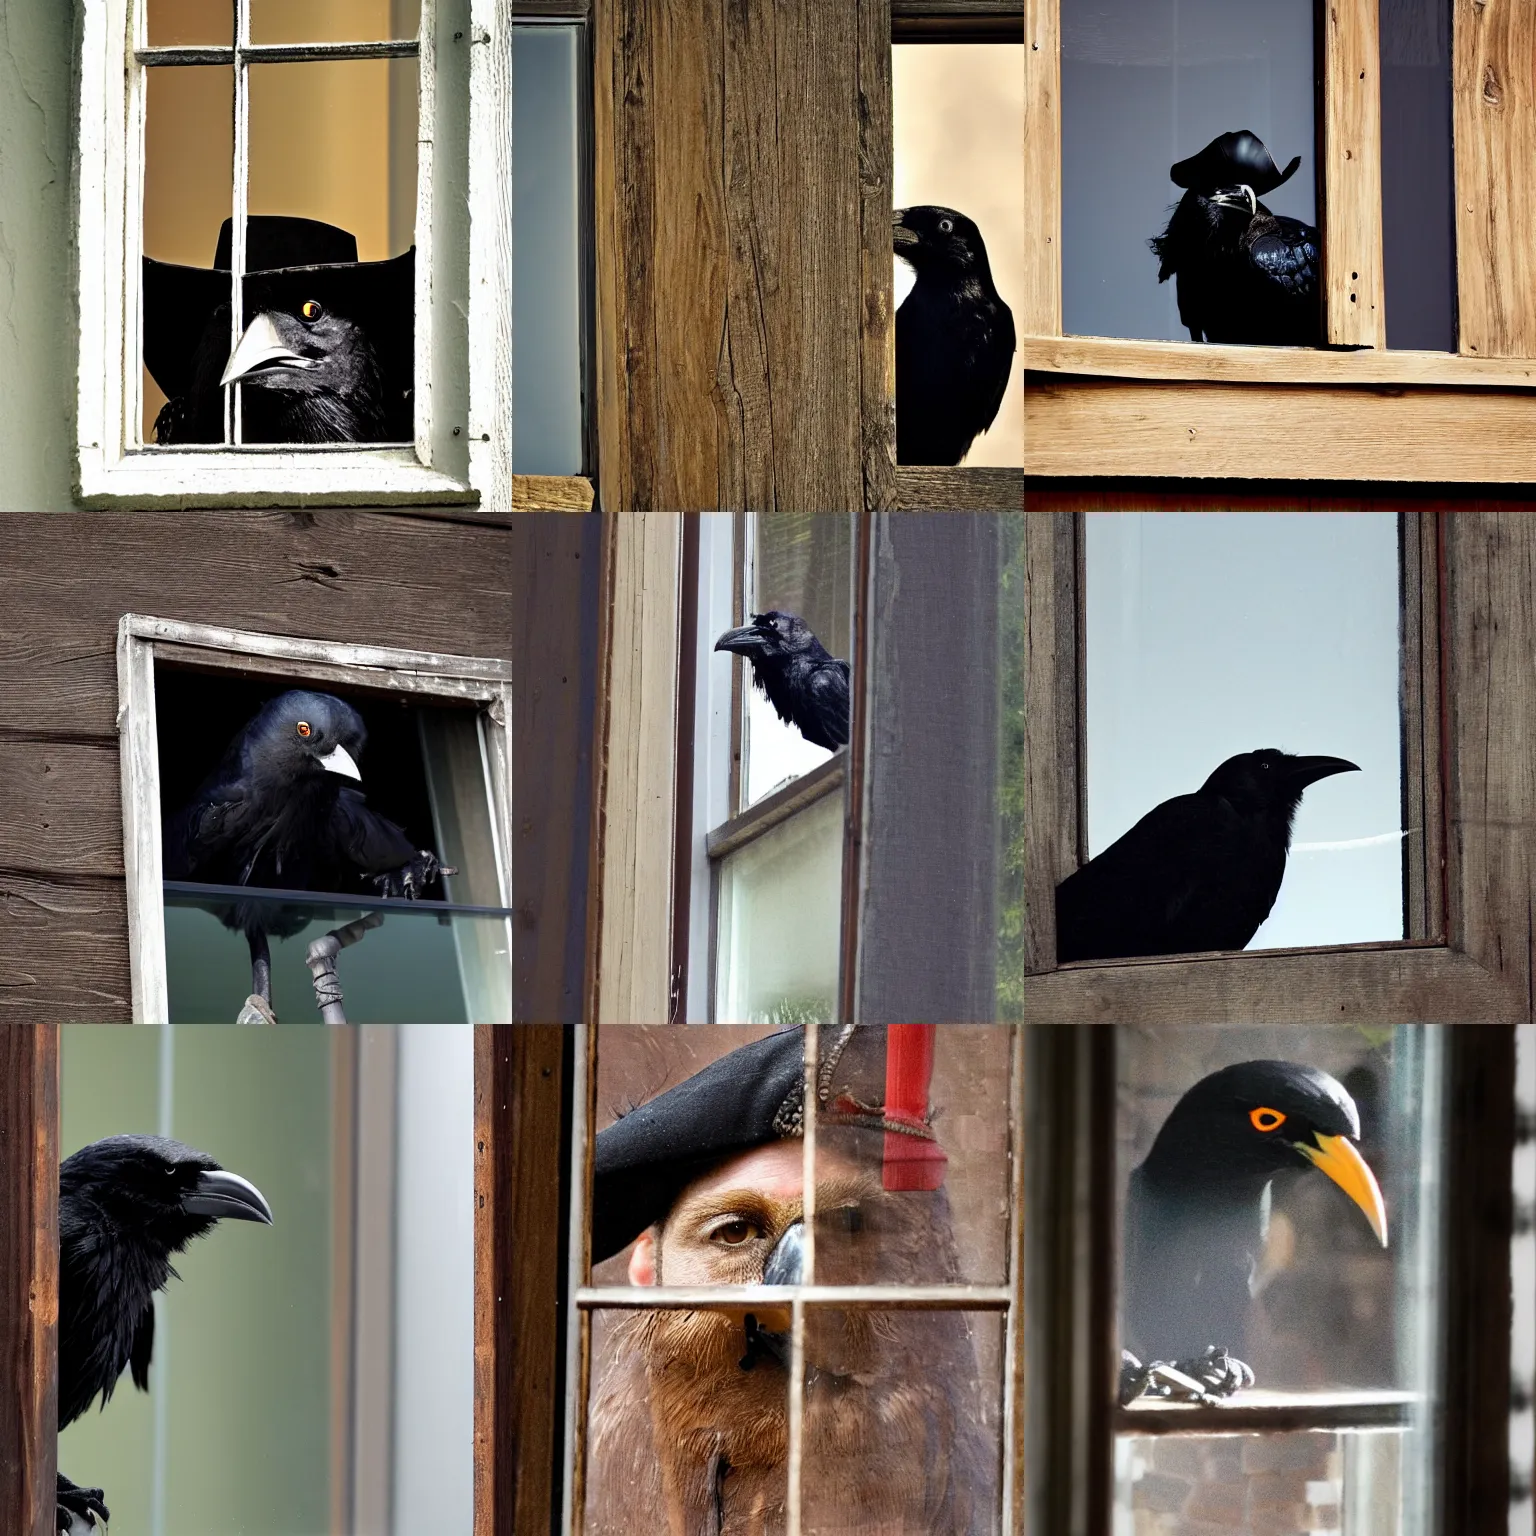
(959,140)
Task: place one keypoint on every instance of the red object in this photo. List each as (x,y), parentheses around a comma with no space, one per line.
(911,1162)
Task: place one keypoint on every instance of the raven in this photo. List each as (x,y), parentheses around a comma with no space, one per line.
(1197,872)
(1197,1210)
(805,683)
(1244,274)
(126,1204)
(278,812)
(954,338)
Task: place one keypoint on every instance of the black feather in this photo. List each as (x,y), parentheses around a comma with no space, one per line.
(805,683)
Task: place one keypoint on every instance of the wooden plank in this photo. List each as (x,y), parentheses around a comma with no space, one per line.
(1104,356)
(959,490)
(59,807)
(1494,121)
(1259,1412)
(1354,300)
(29,1278)
(1297,433)
(876,318)
(63,950)
(1423,761)
(551,493)
(1039,311)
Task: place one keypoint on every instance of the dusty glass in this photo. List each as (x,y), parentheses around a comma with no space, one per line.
(333,21)
(180,23)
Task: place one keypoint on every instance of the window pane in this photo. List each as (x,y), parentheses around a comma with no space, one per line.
(958,119)
(1214,635)
(547,410)
(346,1385)
(333,21)
(779,915)
(173,22)
(1146,84)
(1418,230)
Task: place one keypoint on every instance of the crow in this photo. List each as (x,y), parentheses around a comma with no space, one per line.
(1197,872)
(126,1204)
(806,685)
(954,338)
(1244,274)
(278,812)
(1197,1210)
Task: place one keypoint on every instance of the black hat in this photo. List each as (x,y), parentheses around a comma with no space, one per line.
(746,1098)
(1229,161)
(287,260)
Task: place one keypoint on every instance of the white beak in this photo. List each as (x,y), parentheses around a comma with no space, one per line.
(261,347)
(339,760)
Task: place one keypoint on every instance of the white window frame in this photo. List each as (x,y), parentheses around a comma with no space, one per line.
(462,446)
(142,640)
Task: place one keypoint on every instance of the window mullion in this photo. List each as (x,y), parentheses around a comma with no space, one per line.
(241,180)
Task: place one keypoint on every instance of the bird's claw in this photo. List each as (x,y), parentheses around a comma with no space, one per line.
(83,1504)
(256,1010)
(1207,1378)
(412,878)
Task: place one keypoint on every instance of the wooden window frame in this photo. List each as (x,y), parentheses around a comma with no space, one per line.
(1469,632)
(143,640)
(461,449)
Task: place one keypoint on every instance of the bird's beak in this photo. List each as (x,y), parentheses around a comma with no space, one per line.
(901,235)
(339,760)
(227,1197)
(746,641)
(261,347)
(1340,1159)
(1308,770)
(768,1331)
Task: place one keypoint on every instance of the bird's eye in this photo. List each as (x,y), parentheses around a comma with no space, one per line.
(946,226)
(304,728)
(311,309)
(734,1233)
(1264,1119)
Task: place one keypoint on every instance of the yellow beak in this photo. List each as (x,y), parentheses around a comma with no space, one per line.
(1340,1159)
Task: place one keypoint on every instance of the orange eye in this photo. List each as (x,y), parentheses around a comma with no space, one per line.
(304,729)
(1266,1119)
(311,309)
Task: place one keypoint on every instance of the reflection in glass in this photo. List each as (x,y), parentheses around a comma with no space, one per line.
(346,1390)
(1213,634)
(779,919)
(547,415)
(958,120)
(178,23)
(333,21)
(1146,83)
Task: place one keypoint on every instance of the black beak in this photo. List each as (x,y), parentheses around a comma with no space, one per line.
(901,235)
(746,641)
(227,1197)
(1308,770)
(785,1266)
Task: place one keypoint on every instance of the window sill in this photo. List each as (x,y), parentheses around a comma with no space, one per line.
(156,478)
(1272,1412)
(551,493)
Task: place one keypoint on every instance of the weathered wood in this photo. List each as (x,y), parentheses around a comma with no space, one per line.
(1108,357)
(29,1277)
(1423,787)
(1494,122)
(63,950)
(1354,301)
(551,493)
(60,808)
(1039,311)
(1074,426)
(959,490)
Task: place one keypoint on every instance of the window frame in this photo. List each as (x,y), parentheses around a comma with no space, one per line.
(461,441)
(142,640)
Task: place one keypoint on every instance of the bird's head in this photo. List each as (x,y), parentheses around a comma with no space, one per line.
(306,733)
(941,241)
(1248,1122)
(153,1188)
(770,634)
(1271,782)
(308,349)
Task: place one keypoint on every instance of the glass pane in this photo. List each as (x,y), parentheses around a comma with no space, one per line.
(779,916)
(958,118)
(1418,229)
(1256,1165)
(1211,636)
(182,22)
(1146,84)
(344,1386)
(547,411)
(189,156)
(333,21)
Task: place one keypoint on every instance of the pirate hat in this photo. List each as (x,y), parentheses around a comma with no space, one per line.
(1232,160)
(873,1077)
(287,260)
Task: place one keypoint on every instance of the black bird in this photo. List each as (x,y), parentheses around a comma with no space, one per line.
(804,682)
(1244,274)
(278,812)
(1197,872)
(126,1205)
(954,338)
(1197,1210)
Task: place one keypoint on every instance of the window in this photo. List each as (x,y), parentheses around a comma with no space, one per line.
(309,210)
(438,728)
